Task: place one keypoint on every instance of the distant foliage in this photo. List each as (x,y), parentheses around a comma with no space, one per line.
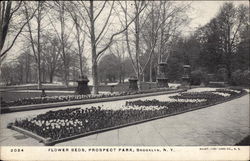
(198,77)
(240,77)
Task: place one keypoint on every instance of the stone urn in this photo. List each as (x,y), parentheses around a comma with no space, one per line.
(82,87)
(162,80)
(186,79)
(133,83)
(43,93)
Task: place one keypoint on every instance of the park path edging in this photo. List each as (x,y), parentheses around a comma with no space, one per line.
(80,102)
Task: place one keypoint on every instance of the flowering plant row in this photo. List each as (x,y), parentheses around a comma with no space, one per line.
(209,96)
(69,122)
(65,123)
(53,99)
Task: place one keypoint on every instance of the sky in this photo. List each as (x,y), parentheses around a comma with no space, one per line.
(203,11)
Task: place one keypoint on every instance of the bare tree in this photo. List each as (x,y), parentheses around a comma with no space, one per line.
(36,42)
(51,55)
(231,20)
(174,17)
(137,12)
(97,38)
(80,35)
(153,28)
(118,50)
(63,35)
(150,36)
(7,14)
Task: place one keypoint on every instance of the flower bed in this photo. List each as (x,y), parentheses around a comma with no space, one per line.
(63,124)
(69,122)
(53,99)
(217,94)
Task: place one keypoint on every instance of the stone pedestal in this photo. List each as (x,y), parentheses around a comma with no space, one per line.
(82,88)
(162,80)
(133,84)
(43,93)
(186,79)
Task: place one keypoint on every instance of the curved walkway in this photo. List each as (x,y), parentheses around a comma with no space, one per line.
(223,124)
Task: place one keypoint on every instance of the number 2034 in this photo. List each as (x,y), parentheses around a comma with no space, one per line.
(16,150)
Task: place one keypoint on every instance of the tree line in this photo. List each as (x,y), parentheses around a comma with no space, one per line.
(219,48)
(121,38)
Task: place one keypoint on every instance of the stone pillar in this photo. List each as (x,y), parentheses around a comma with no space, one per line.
(162,80)
(186,80)
(82,88)
(133,84)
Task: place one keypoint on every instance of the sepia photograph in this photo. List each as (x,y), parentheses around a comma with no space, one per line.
(124,77)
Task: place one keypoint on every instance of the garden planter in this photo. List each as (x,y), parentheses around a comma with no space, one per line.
(162,80)
(186,80)
(82,88)
(133,84)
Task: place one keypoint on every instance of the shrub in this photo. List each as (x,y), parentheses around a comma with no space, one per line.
(221,74)
(198,77)
(240,78)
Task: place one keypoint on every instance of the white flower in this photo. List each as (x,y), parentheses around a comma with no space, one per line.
(222,94)
(201,89)
(236,91)
(247,90)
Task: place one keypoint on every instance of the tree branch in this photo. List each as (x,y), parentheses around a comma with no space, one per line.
(112,37)
(14,40)
(106,23)
(100,10)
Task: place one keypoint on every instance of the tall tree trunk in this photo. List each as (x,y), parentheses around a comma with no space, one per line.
(65,59)
(151,71)
(143,77)
(120,69)
(79,47)
(228,53)
(39,83)
(5,20)
(137,47)
(93,49)
(51,78)
(66,75)
(27,68)
(95,77)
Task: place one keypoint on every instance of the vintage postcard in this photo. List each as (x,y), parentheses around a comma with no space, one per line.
(124,80)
